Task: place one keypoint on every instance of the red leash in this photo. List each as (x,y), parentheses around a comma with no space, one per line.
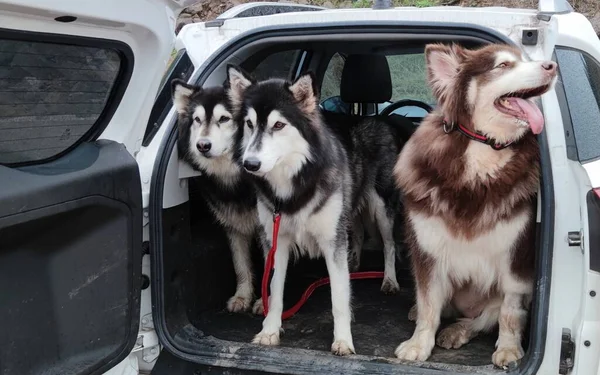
(269,268)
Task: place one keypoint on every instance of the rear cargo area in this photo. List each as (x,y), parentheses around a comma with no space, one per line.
(198,260)
(197,274)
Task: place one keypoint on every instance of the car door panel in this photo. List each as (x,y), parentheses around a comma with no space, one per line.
(70,250)
(77,83)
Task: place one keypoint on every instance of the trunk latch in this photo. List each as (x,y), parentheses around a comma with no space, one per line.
(567,352)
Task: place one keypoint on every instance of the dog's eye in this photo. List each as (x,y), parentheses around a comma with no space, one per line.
(278,125)
(249,123)
(197,119)
(224,119)
(502,65)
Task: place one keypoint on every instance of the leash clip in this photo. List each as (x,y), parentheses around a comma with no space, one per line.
(499,146)
(448,127)
(276,212)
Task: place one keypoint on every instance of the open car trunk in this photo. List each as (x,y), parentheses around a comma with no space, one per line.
(193,273)
(202,280)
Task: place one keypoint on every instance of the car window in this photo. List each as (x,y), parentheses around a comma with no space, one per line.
(332,79)
(51,96)
(180,67)
(580,78)
(278,65)
(409,81)
(409,78)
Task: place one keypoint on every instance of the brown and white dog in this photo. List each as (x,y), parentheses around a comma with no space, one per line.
(469,176)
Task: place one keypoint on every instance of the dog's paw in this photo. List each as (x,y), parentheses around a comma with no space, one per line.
(412,350)
(389,286)
(504,356)
(412,313)
(342,347)
(258,308)
(237,304)
(266,338)
(453,336)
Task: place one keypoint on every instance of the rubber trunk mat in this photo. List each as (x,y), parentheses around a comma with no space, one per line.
(380,325)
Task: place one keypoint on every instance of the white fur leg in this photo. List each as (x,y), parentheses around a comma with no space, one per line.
(458,334)
(386,229)
(337,266)
(430,302)
(240,253)
(272,323)
(512,320)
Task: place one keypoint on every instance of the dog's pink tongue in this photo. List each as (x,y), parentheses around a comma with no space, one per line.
(532,112)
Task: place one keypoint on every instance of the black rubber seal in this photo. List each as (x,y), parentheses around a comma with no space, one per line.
(593,205)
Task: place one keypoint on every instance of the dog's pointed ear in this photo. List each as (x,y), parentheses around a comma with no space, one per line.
(305,92)
(181,93)
(237,83)
(443,63)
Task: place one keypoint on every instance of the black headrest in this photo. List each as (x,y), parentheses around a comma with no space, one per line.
(366,79)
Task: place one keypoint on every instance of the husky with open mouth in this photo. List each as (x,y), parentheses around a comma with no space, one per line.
(206,141)
(303,169)
(469,177)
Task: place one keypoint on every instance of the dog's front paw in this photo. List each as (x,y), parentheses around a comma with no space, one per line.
(453,336)
(267,338)
(258,307)
(412,350)
(412,313)
(504,356)
(342,347)
(389,286)
(237,304)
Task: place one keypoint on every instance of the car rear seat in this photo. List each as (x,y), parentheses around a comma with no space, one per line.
(366,79)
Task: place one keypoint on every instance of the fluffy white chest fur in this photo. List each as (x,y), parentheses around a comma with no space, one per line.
(305,227)
(481,260)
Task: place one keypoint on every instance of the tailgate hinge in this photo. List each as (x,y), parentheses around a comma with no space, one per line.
(567,352)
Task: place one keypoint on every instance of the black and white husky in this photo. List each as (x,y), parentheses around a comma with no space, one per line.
(206,141)
(318,179)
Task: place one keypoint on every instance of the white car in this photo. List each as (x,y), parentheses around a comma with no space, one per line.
(109,261)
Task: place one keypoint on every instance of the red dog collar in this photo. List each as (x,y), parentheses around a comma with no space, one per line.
(449,128)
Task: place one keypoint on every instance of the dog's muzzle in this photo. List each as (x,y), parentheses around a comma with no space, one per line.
(252,164)
(203,146)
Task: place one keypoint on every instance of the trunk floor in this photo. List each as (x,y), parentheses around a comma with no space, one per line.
(380,325)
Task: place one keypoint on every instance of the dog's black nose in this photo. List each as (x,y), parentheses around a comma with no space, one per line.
(549,66)
(204,145)
(252,164)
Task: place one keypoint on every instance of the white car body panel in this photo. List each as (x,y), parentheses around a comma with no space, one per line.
(149,33)
(577,33)
(202,40)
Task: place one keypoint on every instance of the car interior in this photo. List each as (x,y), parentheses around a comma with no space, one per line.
(367,77)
